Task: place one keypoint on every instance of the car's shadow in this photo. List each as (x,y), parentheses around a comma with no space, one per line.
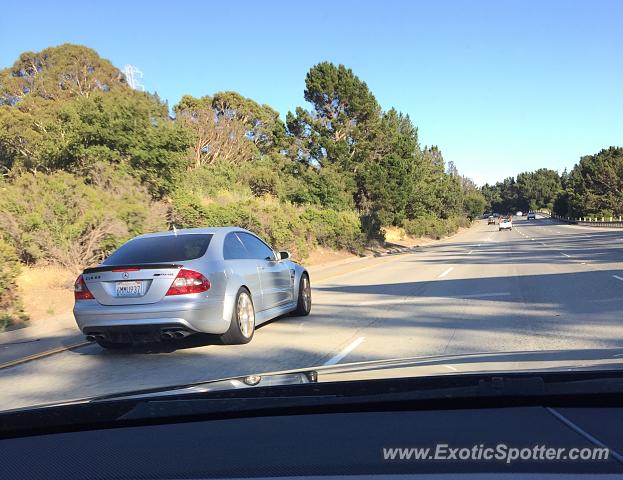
(192,341)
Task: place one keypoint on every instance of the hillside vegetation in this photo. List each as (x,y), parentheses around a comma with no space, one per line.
(87,163)
(593,188)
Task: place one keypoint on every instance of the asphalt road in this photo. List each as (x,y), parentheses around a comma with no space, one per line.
(540,286)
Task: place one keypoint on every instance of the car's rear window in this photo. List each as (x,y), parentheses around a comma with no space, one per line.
(161,249)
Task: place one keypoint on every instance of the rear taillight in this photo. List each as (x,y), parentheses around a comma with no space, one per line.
(188,281)
(81,291)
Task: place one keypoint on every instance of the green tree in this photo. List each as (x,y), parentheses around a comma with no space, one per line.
(215,136)
(537,189)
(595,185)
(59,73)
(344,122)
(474,204)
(262,124)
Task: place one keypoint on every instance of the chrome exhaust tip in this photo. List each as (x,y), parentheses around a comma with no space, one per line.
(90,338)
(166,335)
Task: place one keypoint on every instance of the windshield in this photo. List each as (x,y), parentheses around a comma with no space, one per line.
(197,191)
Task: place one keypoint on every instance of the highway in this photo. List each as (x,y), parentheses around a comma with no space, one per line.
(540,286)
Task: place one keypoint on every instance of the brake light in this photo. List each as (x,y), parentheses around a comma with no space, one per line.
(81,291)
(125,269)
(188,281)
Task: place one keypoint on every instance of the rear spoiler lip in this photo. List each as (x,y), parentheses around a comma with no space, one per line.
(144,266)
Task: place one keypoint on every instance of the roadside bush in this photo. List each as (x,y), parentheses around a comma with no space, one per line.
(281,224)
(58,218)
(335,229)
(434,227)
(210,180)
(10,304)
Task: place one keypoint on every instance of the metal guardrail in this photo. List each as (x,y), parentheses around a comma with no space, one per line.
(587,221)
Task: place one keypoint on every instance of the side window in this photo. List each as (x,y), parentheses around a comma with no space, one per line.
(258,249)
(233,248)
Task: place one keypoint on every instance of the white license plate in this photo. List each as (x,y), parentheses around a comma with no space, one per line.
(129,289)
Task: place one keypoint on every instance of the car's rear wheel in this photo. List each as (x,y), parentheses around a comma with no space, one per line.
(303,306)
(242,325)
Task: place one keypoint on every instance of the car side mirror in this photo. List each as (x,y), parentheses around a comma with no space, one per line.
(283,255)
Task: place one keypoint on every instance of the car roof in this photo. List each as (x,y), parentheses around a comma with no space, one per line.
(187,231)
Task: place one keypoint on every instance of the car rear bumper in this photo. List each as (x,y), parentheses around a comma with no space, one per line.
(205,317)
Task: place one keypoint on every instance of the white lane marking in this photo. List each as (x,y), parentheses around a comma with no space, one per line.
(545,245)
(618,278)
(381,302)
(483,295)
(584,433)
(446,272)
(344,352)
(402,301)
(450,367)
(563,253)
(470,252)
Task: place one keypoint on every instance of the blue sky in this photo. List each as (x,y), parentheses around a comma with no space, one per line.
(501,86)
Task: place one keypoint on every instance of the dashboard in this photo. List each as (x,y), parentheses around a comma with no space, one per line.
(330,444)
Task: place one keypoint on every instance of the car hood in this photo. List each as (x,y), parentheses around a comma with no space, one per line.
(430,366)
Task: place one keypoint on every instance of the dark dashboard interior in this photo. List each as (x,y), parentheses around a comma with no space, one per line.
(315,444)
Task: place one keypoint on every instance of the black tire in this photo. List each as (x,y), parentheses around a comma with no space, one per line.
(304,303)
(237,333)
(112,345)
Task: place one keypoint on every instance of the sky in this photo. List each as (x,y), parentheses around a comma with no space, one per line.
(500,86)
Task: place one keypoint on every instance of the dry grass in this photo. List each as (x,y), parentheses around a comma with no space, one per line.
(46,291)
(395,234)
(321,256)
(398,236)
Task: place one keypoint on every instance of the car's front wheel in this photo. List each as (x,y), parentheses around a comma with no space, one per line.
(303,306)
(242,325)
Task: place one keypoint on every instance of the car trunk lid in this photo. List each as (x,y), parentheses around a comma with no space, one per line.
(130,284)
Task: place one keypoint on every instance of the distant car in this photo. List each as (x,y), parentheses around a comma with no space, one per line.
(491,220)
(496,215)
(519,213)
(531,216)
(506,223)
(168,285)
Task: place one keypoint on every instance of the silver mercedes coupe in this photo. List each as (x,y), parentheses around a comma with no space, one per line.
(168,285)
